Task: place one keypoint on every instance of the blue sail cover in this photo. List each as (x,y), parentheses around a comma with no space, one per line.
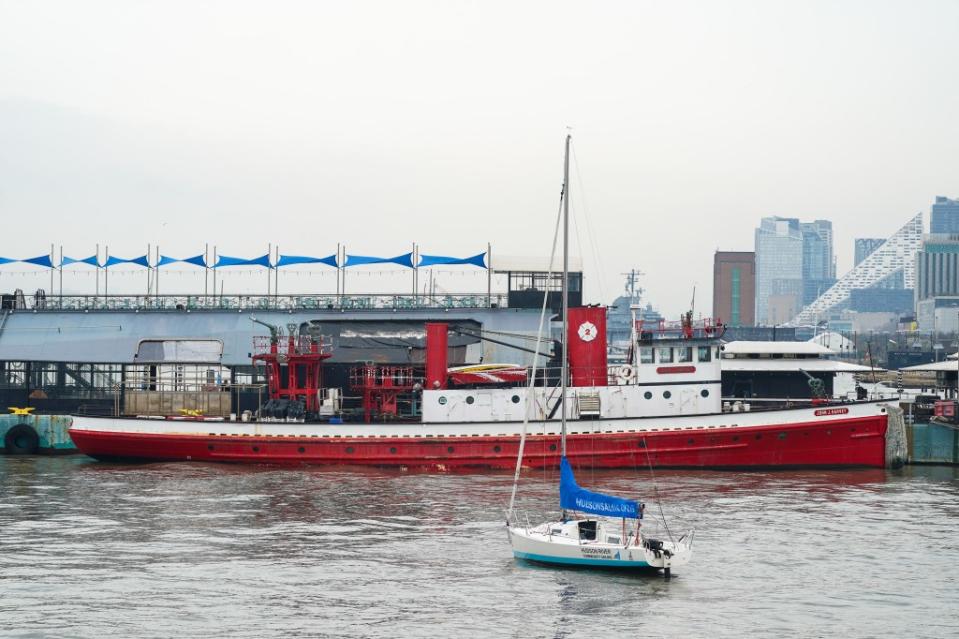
(196,260)
(358,260)
(572,497)
(288,260)
(166,259)
(92,261)
(113,261)
(432,260)
(42,260)
(226,260)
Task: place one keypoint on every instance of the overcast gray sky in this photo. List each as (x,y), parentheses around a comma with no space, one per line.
(378,124)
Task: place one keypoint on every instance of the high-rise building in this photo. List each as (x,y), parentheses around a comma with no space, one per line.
(818,261)
(937,267)
(779,260)
(945,216)
(734,287)
(896,256)
(865,247)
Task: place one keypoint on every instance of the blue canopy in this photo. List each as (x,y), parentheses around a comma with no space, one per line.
(197,260)
(572,497)
(287,260)
(112,261)
(42,260)
(6,260)
(431,260)
(358,260)
(226,260)
(166,259)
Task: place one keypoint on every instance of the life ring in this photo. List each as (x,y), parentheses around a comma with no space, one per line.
(625,372)
(21,440)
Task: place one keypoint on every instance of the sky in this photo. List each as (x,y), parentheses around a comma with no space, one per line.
(381,124)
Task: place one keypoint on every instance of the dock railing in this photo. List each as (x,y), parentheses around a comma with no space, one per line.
(245,303)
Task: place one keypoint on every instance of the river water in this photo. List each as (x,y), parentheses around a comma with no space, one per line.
(89,549)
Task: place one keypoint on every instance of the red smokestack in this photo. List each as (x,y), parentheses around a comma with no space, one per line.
(586,346)
(436,345)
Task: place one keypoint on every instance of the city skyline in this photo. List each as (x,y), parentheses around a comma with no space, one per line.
(317,124)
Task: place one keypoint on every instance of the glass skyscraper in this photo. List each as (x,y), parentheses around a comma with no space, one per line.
(779,261)
(793,260)
(945,216)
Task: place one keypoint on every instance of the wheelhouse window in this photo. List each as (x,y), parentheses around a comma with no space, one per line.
(646,355)
(684,354)
(704,354)
(665,355)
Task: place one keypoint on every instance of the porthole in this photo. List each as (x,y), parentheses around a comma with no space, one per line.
(758,437)
(349,449)
(449,449)
(469,399)
(393,450)
(515,399)
(301,449)
(667,394)
(648,395)
(256,449)
(552,447)
(209,447)
(782,435)
(642,443)
(690,441)
(735,438)
(442,399)
(496,449)
(704,393)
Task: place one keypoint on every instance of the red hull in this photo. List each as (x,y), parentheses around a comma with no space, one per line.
(850,442)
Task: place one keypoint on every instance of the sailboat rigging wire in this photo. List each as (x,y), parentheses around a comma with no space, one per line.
(659,502)
(532,377)
(590,236)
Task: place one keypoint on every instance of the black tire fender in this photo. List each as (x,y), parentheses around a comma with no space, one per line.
(22,439)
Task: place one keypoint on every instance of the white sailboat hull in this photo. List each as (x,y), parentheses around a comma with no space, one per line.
(539,545)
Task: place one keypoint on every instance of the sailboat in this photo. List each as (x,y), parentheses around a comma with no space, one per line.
(576,538)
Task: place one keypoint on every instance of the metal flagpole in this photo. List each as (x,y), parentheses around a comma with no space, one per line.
(53,256)
(214,271)
(489,275)
(269,275)
(96,273)
(149,271)
(206,272)
(106,273)
(414,273)
(336,261)
(61,276)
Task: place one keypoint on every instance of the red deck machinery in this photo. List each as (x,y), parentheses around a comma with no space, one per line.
(381,387)
(294,366)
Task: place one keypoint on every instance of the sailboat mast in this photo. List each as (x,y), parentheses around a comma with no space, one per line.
(565,368)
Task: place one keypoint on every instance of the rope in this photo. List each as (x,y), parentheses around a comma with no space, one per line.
(659,502)
(532,378)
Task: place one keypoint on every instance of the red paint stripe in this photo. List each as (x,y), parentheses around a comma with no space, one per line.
(666,370)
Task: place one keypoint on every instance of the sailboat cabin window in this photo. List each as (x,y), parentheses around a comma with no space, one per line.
(684,354)
(665,355)
(704,353)
(645,355)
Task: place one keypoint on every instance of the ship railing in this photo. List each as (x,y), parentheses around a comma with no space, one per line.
(302,345)
(252,302)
